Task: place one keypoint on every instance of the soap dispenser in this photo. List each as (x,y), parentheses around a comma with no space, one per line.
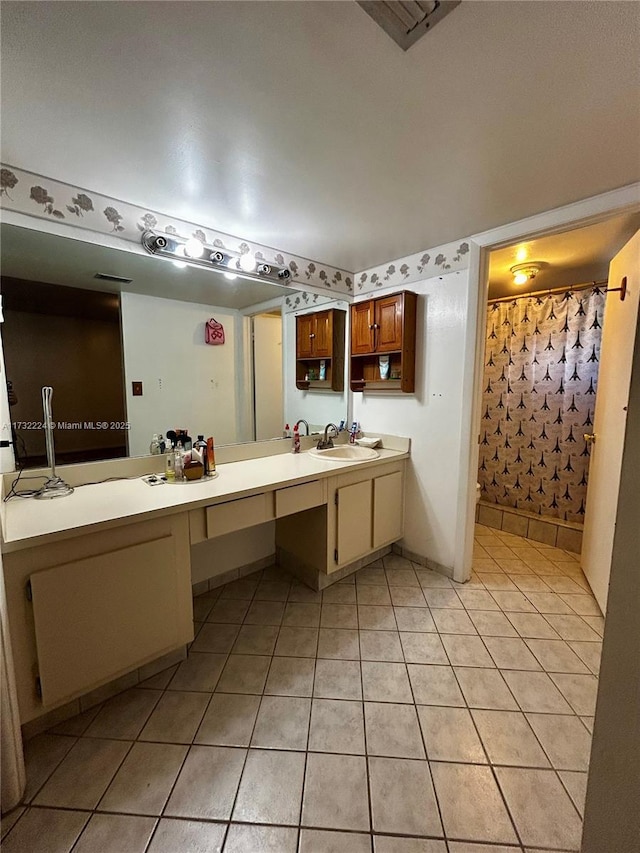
(295,447)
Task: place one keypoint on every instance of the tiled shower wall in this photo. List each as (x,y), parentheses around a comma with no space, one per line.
(548,531)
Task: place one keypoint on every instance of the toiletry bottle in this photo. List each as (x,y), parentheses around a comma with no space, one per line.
(342,426)
(353,432)
(295,447)
(177,465)
(287,431)
(154,447)
(187,442)
(200,446)
(170,462)
(210,464)
(162,443)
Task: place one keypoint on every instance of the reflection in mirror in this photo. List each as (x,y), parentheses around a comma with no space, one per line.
(120,336)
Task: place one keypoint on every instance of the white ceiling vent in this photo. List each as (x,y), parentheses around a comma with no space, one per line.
(406,21)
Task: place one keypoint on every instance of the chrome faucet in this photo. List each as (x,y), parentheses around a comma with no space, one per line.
(326,442)
(302,421)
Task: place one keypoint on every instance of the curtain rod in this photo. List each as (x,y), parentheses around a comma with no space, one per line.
(551,290)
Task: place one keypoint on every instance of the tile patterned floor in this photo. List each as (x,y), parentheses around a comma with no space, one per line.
(396,712)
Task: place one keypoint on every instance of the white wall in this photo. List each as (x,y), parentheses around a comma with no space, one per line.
(433,418)
(186,383)
(316,407)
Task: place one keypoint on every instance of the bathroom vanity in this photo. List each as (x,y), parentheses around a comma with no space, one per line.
(99,583)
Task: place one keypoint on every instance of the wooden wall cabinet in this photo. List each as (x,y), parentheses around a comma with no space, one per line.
(320,337)
(385,326)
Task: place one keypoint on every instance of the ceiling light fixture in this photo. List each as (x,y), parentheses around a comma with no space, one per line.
(184,252)
(522,273)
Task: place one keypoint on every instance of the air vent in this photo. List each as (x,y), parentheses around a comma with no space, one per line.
(104,276)
(406,22)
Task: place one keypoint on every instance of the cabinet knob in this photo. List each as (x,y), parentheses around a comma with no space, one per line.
(312,336)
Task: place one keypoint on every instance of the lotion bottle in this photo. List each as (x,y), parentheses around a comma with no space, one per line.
(170,462)
(295,448)
(177,466)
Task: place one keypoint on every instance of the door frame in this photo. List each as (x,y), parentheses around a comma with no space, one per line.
(578,214)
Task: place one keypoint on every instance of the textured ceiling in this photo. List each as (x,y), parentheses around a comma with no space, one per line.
(301,125)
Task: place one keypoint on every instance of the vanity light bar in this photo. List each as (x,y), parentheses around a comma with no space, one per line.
(193,251)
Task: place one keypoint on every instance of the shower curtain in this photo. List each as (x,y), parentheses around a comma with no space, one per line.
(541,374)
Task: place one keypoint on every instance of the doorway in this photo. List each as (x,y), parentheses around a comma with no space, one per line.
(267,375)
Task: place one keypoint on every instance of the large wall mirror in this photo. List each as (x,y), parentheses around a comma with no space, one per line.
(120,336)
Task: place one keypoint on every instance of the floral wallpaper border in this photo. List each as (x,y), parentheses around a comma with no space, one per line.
(450,257)
(35,195)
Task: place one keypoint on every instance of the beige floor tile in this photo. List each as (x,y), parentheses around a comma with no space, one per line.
(515,567)
(245,838)
(485,688)
(207,784)
(535,692)
(385,682)
(402,577)
(497,581)
(10,819)
(339,593)
(337,725)
(144,782)
(595,622)
(500,552)
(511,653)
(243,589)
(477,599)
(83,776)
(244,674)
(565,584)
(485,564)
(77,726)
(572,627)
(443,598)
(199,672)
(325,841)
(392,730)
(339,644)
(380,645)
(564,738)
(395,844)
(414,619)
(465,847)
(422,648)
(283,723)
(540,807)
(492,624)
(402,797)
(114,833)
(176,717)
(449,735)
(256,640)
(216,638)
(471,804)
(556,656)
(182,835)
(338,679)
(516,602)
(466,651)
(124,716)
(229,720)
(453,622)
(271,788)
(548,602)
(583,605)
(303,594)
(373,575)
(370,594)
(297,642)
(45,831)
(407,596)
(266,613)
(291,677)
(580,691)
(335,792)
(228,611)
(373,617)
(530,583)
(532,625)
(576,786)
(589,653)
(508,739)
(432,580)
(339,616)
(42,754)
(434,685)
(273,590)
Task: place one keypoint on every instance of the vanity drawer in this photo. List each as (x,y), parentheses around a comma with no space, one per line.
(236,515)
(298,498)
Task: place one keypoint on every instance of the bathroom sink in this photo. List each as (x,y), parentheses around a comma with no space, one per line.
(345,453)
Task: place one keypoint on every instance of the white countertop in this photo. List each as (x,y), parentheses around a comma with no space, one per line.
(29,522)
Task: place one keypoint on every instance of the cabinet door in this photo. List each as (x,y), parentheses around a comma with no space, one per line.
(362,331)
(388,320)
(387,509)
(304,336)
(323,341)
(353,533)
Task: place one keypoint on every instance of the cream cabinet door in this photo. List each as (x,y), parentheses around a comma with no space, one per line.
(353,534)
(387,509)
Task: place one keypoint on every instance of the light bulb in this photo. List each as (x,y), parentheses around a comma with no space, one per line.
(247,262)
(179,264)
(231,276)
(520,278)
(193,248)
